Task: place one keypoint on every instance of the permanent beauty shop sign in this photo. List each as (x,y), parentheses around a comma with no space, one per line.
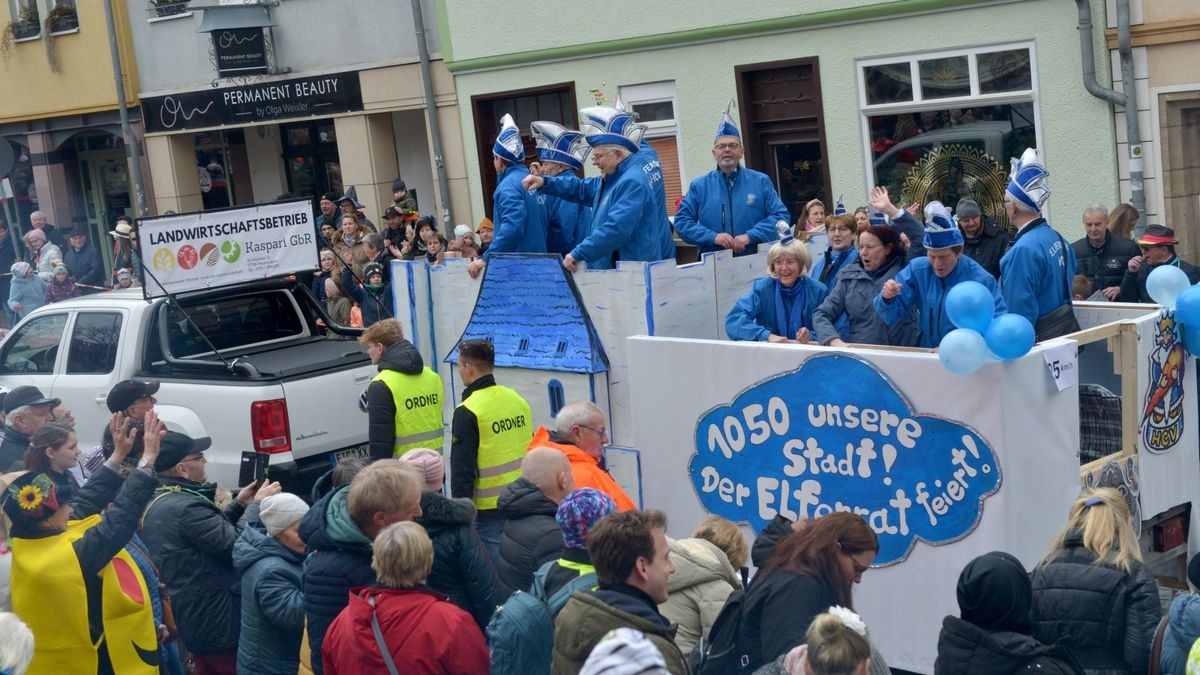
(225,247)
(260,102)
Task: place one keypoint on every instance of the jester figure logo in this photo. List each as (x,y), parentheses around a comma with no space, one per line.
(1162,418)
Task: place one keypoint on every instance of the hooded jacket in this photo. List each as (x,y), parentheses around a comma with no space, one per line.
(966,648)
(744,202)
(697,591)
(1106,616)
(854,298)
(191,541)
(753,316)
(520,222)
(531,536)
(460,566)
(1183,628)
(272,604)
(425,633)
(589,615)
(401,357)
(587,471)
(923,289)
(29,292)
(339,558)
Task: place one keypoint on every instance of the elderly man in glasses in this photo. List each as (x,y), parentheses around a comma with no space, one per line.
(1158,248)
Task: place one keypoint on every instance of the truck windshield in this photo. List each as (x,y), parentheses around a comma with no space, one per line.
(233,323)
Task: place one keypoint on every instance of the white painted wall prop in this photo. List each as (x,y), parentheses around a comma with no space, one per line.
(211,249)
(1010,411)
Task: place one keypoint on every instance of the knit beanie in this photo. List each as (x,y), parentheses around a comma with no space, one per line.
(429,464)
(578,512)
(625,651)
(280,511)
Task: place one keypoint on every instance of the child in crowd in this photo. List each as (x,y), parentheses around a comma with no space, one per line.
(337,305)
(465,242)
(374,298)
(61,287)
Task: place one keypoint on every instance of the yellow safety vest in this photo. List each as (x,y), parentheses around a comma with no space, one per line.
(505,429)
(418,409)
(50,595)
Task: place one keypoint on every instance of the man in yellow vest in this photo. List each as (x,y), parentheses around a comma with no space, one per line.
(489,434)
(81,593)
(404,401)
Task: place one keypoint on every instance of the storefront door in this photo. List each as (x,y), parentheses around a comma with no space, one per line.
(310,155)
(104,175)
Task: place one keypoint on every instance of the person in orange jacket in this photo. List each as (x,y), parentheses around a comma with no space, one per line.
(580,434)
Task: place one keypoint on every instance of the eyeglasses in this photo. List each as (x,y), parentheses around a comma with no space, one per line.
(148,396)
(1149,247)
(601,432)
(727,146)
(869,247)
(859,568)
(198,458)
(601,155)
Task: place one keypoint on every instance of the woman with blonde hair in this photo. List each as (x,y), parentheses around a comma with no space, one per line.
(1122,220)
(1092,591)
(779,307)
(706,572)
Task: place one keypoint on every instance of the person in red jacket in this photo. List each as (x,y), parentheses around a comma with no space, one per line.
(420,631)
(580,434)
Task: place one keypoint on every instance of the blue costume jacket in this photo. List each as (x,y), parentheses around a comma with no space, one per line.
(568,223)
(626,218)
(755,315)
(923,289)
(835,261)
(744,202)
(520,223)
(1037,272)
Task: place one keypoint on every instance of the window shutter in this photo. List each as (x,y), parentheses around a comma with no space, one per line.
(668,157)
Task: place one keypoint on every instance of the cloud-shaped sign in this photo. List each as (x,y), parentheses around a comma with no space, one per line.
(836,435)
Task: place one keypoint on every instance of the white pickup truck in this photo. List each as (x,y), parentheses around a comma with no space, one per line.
(291,392)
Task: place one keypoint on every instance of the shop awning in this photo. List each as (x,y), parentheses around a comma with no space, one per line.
(226,18)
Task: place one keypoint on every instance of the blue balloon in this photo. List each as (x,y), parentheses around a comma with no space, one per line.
(1187,308)
(970,305)
(1165,283)
(1191,340)
(1010,336)
(962,351)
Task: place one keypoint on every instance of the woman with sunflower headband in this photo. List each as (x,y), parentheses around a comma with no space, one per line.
(73,583)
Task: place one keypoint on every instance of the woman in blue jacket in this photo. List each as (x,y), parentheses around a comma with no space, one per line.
(840,253)
(779,308)
(852,301)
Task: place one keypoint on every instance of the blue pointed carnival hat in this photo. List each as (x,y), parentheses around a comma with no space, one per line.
(786,234)
(839,207)
(602,125)
(940,230)
(508,146)
(1027,181)
(877,218)
(556,143)
(727,127)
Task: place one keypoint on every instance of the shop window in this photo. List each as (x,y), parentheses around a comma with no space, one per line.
(944,125)
(554,103)
(654,103)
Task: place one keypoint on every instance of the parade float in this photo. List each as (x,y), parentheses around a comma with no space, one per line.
(943,466)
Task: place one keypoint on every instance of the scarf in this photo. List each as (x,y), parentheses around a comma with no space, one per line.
(832,260)
(790,306)
(883,269)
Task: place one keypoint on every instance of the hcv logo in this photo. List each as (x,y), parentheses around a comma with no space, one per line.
(1162,418)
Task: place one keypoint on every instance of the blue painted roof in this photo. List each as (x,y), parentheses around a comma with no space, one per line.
(529,307)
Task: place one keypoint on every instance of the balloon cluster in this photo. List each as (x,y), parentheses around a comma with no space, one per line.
(980,337)
(1170,287)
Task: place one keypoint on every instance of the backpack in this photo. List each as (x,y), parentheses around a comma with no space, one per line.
(719,653)
(520,634)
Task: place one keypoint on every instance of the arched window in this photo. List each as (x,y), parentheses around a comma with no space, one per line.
(558,398)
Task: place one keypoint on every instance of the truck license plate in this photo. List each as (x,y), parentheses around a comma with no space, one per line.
(356,452)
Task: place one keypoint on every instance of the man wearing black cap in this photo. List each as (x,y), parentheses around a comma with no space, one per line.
(26,409)
(191,540)
(83,259)
(131,398)
(328,211)
(1158,248)
(983,242)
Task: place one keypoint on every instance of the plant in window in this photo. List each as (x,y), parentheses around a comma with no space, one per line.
(169,7)
(62,17)
(24,26)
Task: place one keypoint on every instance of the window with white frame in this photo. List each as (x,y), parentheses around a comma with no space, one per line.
(26,19)
(654,102)
(969,105)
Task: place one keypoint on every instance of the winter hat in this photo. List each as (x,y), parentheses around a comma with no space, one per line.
(124,274)
(727,127)
(28,500)
(508,145)
(460,230)
(429,464)
(485,224)
(578,512)
(556,143)
(20,269)
(59,268)
(398,185)
(625,651)
(35,233)
(940,231)
(1027,180)
(280,511)
(994,593)
(967,208)
(371,269)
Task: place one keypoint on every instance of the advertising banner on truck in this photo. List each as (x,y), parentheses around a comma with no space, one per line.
(212,249)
